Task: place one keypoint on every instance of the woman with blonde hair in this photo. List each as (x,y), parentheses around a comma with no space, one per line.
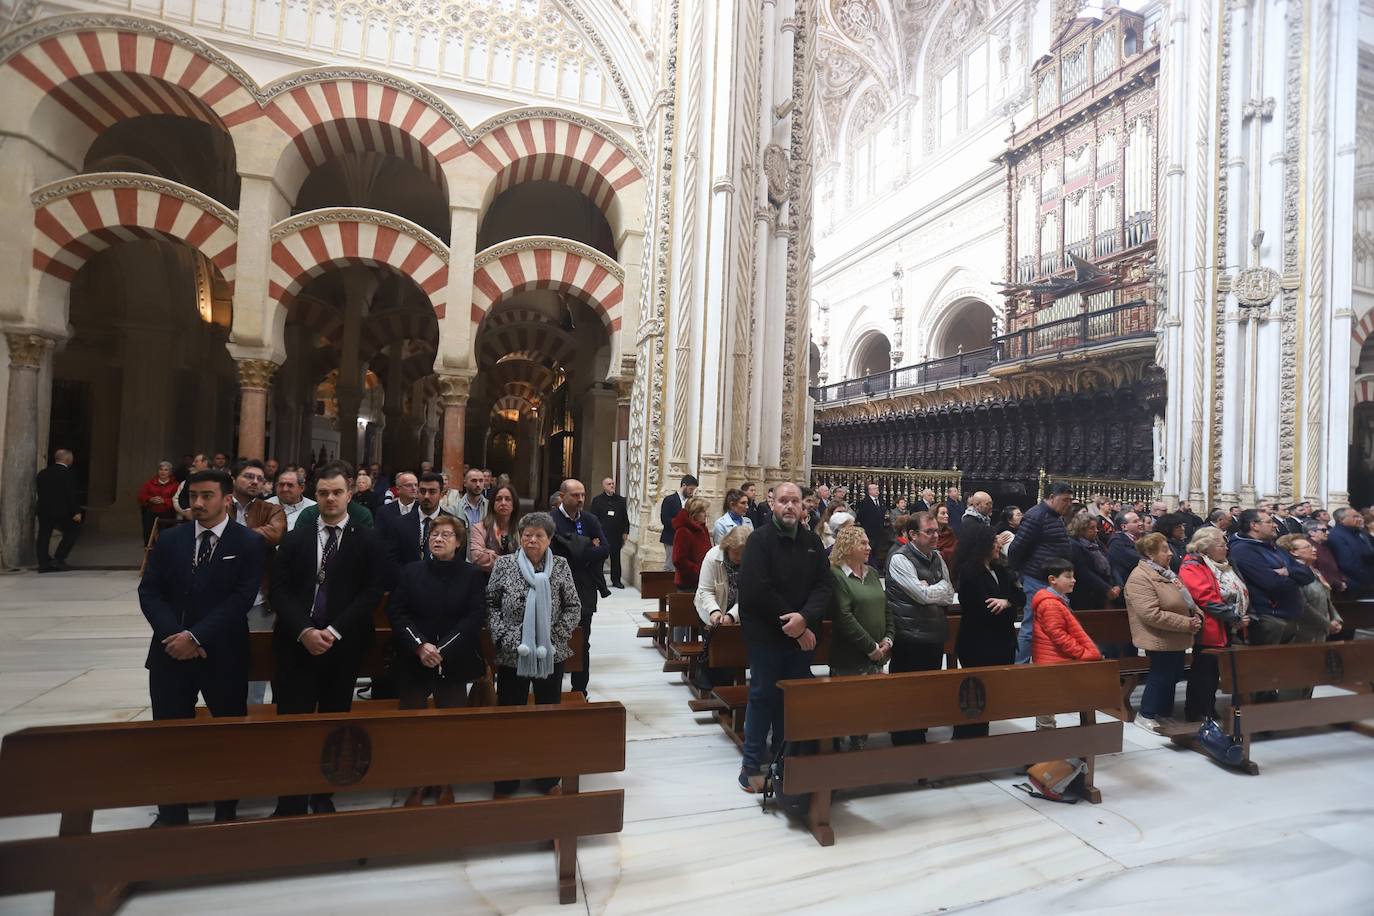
(691,541)
(864,625)
(1219,592)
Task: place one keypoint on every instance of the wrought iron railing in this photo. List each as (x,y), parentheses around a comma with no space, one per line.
(955,368)
(1128,321)
(1125,491)
(893,483)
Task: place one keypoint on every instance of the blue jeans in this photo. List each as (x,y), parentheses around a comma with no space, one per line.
(1023,639)
(768,664)
(1166,670)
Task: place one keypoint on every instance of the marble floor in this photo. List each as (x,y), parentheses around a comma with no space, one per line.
(1175,833)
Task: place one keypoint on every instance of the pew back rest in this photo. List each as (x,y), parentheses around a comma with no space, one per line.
(727,648)
(1252,669)
(1357,615)
(87,767)
(1107,626)
(682,610)
(835,706)
(655,583)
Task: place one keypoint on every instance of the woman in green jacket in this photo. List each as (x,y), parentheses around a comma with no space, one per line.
(863,623)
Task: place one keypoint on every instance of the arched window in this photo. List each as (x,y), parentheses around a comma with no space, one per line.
(872,356)
(969,328)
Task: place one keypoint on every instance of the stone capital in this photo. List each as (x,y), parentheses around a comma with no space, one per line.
(256,373)
(454,390)
(26,350)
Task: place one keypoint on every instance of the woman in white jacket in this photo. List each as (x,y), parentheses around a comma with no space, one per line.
(717,597)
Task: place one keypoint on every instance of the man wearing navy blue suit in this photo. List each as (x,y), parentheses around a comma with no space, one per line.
(196,592)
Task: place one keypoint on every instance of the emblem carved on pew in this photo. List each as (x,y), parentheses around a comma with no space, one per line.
(973,697)
(346,755)
(1334,666)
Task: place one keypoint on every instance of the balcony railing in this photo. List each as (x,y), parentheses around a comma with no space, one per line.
(1125,322)
(1128,321)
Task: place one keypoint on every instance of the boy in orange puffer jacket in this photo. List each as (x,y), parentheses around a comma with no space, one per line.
(1058,635)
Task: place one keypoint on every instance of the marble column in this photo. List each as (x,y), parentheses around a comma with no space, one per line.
(20,462)
(255,377)
(454,390)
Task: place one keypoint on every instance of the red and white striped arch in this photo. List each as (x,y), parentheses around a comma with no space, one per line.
(1364,390)
(548,147)
(517,330)
(104,75)
(548,263)
(306,246)
(330,117)
(76,218)
(1361,329)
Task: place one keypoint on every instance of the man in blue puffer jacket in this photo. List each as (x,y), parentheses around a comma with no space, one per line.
(1274,580)
(1042,537)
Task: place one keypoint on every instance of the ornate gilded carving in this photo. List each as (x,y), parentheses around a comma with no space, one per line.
(100,181)
(256,373)
(1256,287)
(27,350)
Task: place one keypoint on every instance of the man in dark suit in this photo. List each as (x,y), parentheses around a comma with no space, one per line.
(577,536)
(1121,552)
(326,580)
(58,510)
(872,518)
(762,513)
(407,536)
(609,509)
(668,510)
(200,582)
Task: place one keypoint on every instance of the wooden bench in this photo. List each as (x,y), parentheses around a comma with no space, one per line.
(820,709)
(1247,671)
(684,655)
(1356,615)
(78,769)
(657,584)
(1112,627)
(728,651)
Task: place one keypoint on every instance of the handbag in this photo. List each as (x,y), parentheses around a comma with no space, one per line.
(483,692)
(1220,746)
(1051,779)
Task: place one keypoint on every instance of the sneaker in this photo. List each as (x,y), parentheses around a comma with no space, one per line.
(751,782)
(1150,725)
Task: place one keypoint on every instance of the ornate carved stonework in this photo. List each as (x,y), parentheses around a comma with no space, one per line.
(293,224)
(542,242)
(100,181)
(563,114)
(1256,287)
(256,373)
(454,390)
(26,350)
(776,171)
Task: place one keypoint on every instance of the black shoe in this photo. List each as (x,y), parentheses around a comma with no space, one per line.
(163,821)
(226,811)
(48,569)
(617,585)
(321,804)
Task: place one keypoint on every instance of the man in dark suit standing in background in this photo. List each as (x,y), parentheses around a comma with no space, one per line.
(407,536)
(326,580)
(196,592)
(58,510)
(609,509)
(579,539)
(872,518)
(668,510)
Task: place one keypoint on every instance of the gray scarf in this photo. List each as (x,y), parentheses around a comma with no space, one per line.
(536,641)
(1168,575)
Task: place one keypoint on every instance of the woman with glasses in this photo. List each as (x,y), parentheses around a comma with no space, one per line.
(437,611)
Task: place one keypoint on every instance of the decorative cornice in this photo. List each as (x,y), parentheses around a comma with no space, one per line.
(572,117)
(27,350)
(546,243)
(294,224)
(102,181)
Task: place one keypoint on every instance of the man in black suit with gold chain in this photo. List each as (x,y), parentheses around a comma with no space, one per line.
(326,580)
(200,582)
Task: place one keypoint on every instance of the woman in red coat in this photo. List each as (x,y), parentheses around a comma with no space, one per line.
(156,497)
(691,540)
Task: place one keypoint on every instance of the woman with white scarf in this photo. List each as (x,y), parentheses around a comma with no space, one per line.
(1163,618)
(534,608)
(1218,590)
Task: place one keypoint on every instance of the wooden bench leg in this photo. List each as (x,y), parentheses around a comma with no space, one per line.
(1128,685)
(98,900)
(565,853)
(1090,791)
(818,815)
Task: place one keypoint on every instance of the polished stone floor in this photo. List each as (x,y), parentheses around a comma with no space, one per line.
(1174,833)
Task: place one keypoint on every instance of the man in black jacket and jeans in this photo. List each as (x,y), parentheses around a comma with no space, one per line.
(784,593)
(1041,537)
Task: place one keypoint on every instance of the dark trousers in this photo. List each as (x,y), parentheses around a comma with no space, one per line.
(70,532)
(769,663)
(1203,677)
(415,684)
(1166,670)
(308,683)
(514,690)
(914,656)
(580,678)
(173,687)
(616,544)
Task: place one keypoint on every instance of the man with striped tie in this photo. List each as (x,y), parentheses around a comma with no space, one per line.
(200,583)
(326,580)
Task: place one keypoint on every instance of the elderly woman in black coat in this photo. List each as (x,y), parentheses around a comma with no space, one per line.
(437,611)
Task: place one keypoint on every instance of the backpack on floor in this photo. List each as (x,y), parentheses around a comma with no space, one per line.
(1051,779)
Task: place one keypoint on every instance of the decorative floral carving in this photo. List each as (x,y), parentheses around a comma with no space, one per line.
(776,171)
(454,390)
(256,373)
(26,350)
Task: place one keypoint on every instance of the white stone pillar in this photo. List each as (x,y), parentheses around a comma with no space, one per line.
(20,462)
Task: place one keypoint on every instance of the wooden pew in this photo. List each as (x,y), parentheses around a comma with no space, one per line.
(657,584)
(684,655)
(1112,626)
(78,769)
(1250,670)
(820,709)
(728,703)
(1356,615)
